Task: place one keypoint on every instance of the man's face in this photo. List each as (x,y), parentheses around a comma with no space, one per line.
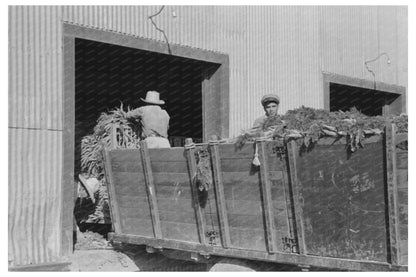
(271,108)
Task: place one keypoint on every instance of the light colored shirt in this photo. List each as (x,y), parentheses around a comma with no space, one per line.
(155,120)
(259,122)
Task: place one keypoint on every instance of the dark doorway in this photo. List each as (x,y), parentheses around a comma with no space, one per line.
(368,101)
(107,75)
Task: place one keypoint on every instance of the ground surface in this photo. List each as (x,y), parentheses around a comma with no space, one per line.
(93,253)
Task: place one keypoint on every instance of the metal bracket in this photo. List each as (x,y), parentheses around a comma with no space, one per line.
(212,236)
(280,151)
(290,243)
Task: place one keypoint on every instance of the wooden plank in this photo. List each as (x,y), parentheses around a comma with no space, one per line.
(250,239)
(137,226)
(288,200)
(151,192)
(287,258)
(180,231)
(246,165)
(126,166)
(125,155)
(272,246)
(173,178)
(176,193)
(402,178)
(200,219)
(175,167)
(220,195)
(129,183)
(402,160)
(167,154)
(112,197)
(67,166)
(401,137)
(297,206)
(174,216)
(393,214)
(230,151)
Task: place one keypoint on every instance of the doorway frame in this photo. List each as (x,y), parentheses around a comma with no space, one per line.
(399,103)
(215,101)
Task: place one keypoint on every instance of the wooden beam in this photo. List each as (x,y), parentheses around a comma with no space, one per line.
(112,199)
(282,258)
(392,205)
(300,235)
(267,200)
(151,191)
(200,219)
(220,195)
(68,145)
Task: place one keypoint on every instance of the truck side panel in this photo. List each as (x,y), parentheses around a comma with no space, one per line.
(342,202)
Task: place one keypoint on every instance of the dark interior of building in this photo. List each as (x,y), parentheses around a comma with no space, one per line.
(368,101)
(107,75)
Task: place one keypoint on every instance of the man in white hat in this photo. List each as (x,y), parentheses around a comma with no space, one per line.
(270,103)
(154,121)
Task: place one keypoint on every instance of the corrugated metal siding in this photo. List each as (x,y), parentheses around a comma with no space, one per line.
(35,67)
(281,49)
(34,196)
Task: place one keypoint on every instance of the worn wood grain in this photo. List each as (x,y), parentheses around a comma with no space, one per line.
(137,226)
(174,216)
(253,239)
(169,167)
(267,200)
(325,262)
(180,231)
(392,204)
(230,151)
(402,178)
(402,160)
(167,154)
(112,196)
(297,204)
(246,165)
(220,195)
(125,155)
(151,192)
(175,192)
(198,211)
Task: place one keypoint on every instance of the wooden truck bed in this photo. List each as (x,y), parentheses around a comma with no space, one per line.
(314,207)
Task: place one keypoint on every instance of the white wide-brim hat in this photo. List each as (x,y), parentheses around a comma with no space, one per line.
(90,184)
(152,97)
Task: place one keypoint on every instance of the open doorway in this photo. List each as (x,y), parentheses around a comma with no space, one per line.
(341,93)
(368,101)
(107,75)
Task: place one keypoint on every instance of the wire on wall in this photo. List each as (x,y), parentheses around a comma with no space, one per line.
(160,30)
(373,60)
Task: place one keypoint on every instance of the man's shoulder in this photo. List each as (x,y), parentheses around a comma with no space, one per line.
(260,119)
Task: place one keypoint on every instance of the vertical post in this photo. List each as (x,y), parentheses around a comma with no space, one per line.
(150,189)
(267,199)
(114,211)
(113,137)
(299,230)
(220,195)
(200,220)
(392,205)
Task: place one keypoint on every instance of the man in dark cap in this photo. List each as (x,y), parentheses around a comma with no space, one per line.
(270,103)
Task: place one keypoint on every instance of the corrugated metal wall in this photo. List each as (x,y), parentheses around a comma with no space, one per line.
(35,134)
(281,49)
(272,49)
(34,196)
